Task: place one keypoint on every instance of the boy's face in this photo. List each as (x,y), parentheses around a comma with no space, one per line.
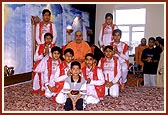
(151,43)
(109,20)
(75,70)
(68,57)
(89,61)
(48,39)
(55,55)
(108,53)
(117,37)
(46,17)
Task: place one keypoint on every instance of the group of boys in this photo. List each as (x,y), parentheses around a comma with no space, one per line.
(70,83)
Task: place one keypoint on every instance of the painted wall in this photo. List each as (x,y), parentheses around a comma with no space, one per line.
(154,19)
(18,42)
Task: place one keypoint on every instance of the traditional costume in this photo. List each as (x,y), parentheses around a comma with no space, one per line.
(112,72)
(42,28)
(96,88)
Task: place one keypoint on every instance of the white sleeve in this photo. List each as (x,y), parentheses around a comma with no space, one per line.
(117,77)
(37,34)
(66,88)
(83,89)
(100,37)
(36,55)
(45,75)
(61,78)
(54,33)
(41,66)
(100,80)
(99,63)
(124,56)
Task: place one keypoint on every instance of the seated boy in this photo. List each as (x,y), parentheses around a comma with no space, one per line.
(112,71)
(62,74)
(50,69)
(74,88)
(95,80)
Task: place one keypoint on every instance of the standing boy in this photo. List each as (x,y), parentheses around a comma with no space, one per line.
(105,36)
(45,26)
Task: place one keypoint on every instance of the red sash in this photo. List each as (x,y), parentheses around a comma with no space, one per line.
(126,47)
(99,89)
(102,60)
(59,85)
(104,26)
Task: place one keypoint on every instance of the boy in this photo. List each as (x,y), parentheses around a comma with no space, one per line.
(121,51)
(95,80)
(50,68)
(45,26)
(62,73)
(112,71)
(105,36)
(74,88)
(42,53)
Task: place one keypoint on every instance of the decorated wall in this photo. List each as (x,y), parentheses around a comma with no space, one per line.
(19,30)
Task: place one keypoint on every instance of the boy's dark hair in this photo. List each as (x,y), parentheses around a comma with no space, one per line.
(69,50)
(151,38)
(89,54)
(75,63)
(46,10)
(161,42)
(48,34)
(108,47)
(117,31)
(56,48)
(158,38)
(109,15)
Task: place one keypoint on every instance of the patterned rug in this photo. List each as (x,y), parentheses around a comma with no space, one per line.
(20,98)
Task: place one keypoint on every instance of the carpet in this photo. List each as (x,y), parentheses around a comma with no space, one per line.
(20,98)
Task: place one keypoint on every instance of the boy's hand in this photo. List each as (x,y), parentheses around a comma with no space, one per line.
(108,84)
(149,59)
(51,88)
(88,80)
(116,50)
(74,104)
(69,72)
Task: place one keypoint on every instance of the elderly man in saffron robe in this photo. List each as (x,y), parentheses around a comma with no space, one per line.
(80,47)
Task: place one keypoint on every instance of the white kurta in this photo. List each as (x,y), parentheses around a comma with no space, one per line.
(61,97)
(107,37)
(122,57)
(39,69)
(109,76)
(45,29)
(50,80)
(38,56)
(91,91)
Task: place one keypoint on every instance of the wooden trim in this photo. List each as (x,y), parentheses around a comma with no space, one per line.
(13,79)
